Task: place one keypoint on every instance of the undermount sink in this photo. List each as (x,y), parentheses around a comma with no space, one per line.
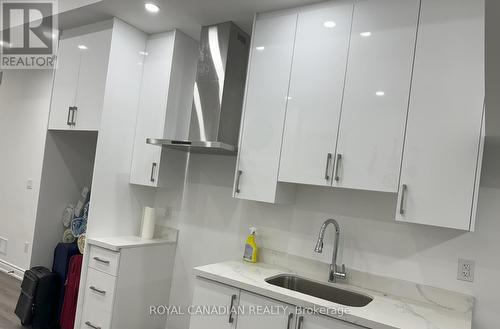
(320,290)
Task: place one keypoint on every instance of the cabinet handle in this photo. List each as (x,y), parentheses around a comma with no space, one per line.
(73,110)
(68,121)
(238,175)
(289,323)
(404,187)
(153,167)
(299,322)
(337,165)
(231,314)
(100,260)
(89,324)
(328,159)
(102,292)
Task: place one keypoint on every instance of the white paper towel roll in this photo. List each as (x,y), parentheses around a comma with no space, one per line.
(148,223)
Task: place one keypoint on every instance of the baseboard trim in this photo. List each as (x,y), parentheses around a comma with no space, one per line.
(12,270)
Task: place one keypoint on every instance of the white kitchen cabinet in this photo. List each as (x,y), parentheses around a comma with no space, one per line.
(115,269)
(80,77)
(314,321)
(252,311)
(440,166)
(210,293)
(377,89)
(169,68)
(276,315)
(315,94)
(264,109)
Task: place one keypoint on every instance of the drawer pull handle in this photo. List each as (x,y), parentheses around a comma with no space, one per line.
(89,324)
(100,260)
(99,291)
(231,315)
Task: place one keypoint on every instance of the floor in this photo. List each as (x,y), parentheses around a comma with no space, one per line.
(9,292)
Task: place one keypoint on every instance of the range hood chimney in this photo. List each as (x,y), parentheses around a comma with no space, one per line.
(218,92)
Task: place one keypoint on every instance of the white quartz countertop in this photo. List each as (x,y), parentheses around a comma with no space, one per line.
(124,242)
(385,311)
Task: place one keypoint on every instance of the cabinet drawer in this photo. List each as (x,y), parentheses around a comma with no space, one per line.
(99,290)
(94,318)
(104,260)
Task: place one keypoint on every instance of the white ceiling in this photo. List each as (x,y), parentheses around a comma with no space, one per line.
(186,15)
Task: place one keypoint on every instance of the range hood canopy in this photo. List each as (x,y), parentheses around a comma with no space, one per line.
(218,92)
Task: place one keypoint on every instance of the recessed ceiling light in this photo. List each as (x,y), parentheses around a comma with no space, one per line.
(380,93)
(365,34)
(143,53)
(151,7)
(260,48)
(82,47)
(329,24)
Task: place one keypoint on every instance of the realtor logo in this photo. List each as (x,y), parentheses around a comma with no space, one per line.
(28,37)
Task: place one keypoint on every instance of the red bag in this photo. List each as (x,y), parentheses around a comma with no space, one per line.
(68,312)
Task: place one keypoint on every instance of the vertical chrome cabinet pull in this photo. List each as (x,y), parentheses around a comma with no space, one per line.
(99,291)
(337,165)
(237,184)
(299,322)
(72,110)
(328,159)
(404,187)
(100,260)
(231,314)
(68,121)
(89,324)
(153,167)
(289,323)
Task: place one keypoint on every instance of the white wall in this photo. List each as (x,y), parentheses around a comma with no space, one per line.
(213,227)
(24,111)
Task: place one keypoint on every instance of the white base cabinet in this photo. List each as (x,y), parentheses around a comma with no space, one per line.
(121,281)
(276,315)
(208,293)
(250,311)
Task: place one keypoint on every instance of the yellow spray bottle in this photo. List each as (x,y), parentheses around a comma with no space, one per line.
(250,254)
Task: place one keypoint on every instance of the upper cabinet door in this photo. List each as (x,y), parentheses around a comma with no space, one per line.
(65,84)
(315,95)
(80,81)
(152,109)
(377,89)
(92,79)
(265,105)
(444,120)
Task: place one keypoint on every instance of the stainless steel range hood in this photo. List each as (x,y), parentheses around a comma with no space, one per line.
(218,92)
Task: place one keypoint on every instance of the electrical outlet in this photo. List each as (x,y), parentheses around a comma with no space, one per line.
(29,184)
(465,270)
